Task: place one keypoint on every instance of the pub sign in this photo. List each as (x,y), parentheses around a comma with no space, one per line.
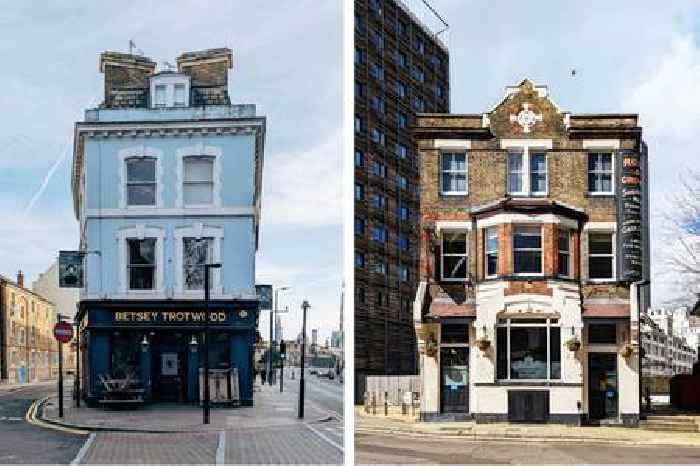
(70,269)
(264,293)
(629,215)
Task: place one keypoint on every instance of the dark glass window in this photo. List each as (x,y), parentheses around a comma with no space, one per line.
(359,158)
(491,251)
(141,181)
(527,249)
(564,245)
(359,226)
(502,352)
(600,173)
(454,255)
(601,259)
(142,263)
(359,260)
(454,333)
(602,334)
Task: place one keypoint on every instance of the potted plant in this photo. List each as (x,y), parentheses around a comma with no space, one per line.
(483,343)
(574,344)
(431,346)
(627,350)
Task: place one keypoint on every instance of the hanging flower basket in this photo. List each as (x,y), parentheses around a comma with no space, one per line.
(627,351)
(431,347)
(483,343)
(574,344)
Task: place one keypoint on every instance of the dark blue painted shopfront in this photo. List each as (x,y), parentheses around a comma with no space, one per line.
(160,345)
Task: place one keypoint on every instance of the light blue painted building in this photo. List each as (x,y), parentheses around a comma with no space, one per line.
(166,177)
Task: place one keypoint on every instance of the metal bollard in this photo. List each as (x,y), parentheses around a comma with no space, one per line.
(374,403)
(386,403)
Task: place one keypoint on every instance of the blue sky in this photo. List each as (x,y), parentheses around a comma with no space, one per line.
(287,60)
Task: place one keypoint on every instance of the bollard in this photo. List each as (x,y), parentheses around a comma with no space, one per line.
(374,403)
(366,403)
(386,403)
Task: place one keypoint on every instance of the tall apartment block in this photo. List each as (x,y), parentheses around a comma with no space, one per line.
(401,68)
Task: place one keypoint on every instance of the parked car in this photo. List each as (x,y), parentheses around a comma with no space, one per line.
(313,371)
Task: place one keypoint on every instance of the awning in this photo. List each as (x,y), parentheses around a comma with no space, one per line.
(606,311)
(440,310)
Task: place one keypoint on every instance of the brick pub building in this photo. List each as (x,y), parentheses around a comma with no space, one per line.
(534,228)
(400,68)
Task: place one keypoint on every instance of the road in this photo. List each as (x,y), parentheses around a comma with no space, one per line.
(21,442)
(377,449)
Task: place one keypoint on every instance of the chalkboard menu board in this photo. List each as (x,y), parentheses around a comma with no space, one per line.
(629,215)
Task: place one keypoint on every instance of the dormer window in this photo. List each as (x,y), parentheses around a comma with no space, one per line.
(170,90)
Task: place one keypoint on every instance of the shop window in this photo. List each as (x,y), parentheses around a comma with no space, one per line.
(142,263)
(491,252)
(564,246)
(527,250)
(454,256)
(198,184)
(601,256)
(219,351)
(605,334)
(600,173)
(453,173)
(523,352)
(126,355)
(196,252)
(141,181)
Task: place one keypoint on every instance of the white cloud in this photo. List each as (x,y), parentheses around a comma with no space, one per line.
(303,187)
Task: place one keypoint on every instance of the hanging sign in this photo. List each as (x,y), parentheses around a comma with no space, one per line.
(629,215)
(70,269)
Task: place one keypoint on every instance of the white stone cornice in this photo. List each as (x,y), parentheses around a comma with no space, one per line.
(235,211)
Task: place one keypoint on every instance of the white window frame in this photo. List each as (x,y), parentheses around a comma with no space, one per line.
(597,146)
(541,249)
(568,253)
(451,153)
(487,251)
(613,256)
(197,230)
(526,147)
(194,151)
(601,151)
(508,324)
(169,81)
(155,181)
(136,152)
(465,255)
(141,231)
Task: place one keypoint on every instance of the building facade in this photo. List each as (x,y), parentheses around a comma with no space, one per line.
(525,309)
(670,343)
(28,350)
(65,301)
(166,178)
(401,67)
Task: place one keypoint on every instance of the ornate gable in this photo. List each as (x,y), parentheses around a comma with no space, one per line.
(526,111)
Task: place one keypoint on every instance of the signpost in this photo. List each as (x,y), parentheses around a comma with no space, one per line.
(63,332)
(305,306)
(283,355)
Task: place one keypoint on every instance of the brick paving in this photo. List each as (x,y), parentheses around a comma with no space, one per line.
(137,448)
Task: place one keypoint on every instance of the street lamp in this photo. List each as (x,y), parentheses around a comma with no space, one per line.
(205,406)
(273,317)
(305,306)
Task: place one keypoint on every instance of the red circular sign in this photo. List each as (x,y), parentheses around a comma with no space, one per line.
(63,332)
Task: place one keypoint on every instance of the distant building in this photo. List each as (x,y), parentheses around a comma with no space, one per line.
(66,302)
(28,349)
(670,342)
(314,340)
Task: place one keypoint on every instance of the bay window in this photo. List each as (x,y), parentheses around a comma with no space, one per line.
(454,256)
(601,256)
(527,250)
(491,252)
(198,184)
(527,172)
(564,255)
(453,173)
(528,349)
(600,173)
(141,181)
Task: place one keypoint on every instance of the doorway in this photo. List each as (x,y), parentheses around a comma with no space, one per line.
(169,367)
(602,386)
(454,379)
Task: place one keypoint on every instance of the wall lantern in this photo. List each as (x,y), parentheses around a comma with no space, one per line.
(193,344)
(144,344)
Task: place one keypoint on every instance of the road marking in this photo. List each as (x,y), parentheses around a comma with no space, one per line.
(32,418)
(331,442)
(221,448)
(83,450)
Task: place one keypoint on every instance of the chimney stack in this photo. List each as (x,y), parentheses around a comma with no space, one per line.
(20,279)
(126,78)
(207,68)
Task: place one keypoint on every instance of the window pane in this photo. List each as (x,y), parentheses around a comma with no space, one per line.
(515,182)
(602,333)
(198,193)
(140,170)
(600,267)
(515,162)
(528,353)
(446,162)
(141,278)
(491,240)
(555,352)
(605,182)
(538,163)
(141,194)
(199,169)
(538,182)
(454,333)
(528,238)
(600,243)
(459,183)
(491,264)
(454,243)
(142,251)
(501,352)
(563,264)
(528,261)
(455,267)
(195,253)
(605,162)
(179,94)
(563,240)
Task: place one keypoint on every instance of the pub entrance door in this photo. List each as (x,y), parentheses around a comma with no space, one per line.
(454,362)
(602,386)
(169,367)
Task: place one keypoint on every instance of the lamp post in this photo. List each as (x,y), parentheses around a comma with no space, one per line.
(205,406)
(273,317)
(305,306)
(639,285)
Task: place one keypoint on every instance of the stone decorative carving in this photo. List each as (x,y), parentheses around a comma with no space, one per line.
(526,118)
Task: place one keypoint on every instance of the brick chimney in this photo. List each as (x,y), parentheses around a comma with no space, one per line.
(20,279)
(208,70)
(126,79)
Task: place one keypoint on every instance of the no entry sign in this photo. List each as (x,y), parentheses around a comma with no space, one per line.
(63,332)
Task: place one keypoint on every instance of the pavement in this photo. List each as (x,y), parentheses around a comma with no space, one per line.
(268,432)
(406,426)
